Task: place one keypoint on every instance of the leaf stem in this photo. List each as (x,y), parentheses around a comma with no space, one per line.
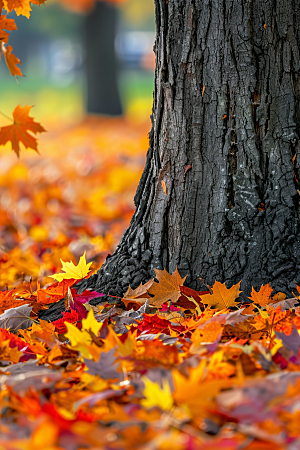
(6,117)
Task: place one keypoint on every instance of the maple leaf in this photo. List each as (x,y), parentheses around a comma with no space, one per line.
(70,317)
(18,132)
(137,296)
(139,292)
(16,318)
(73,272)
(78,339)
(210,333)
(292,341)
(196,394)
(8,301)
(154,324)
(157,396)
(9,354)
(38,2)
(11,61)
(263,296)
(6,24)
(21,7)
(55,292)
(167,288)
(222,297)
(91,324)
(105,367)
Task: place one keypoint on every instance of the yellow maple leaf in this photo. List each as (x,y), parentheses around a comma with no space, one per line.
(222,297)
(167,288)
(73,272)
(91,324)
(157,396)
(79,340)
(21,7)
(9,354)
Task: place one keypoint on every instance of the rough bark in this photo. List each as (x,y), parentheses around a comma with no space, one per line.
(225,140)
(100,26)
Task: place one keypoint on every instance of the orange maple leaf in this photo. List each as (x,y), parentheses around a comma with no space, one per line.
(263,296)
(6,24)
(222,297)
(167,288)
(11,61)
(8,301)
(18,132)
(209,333)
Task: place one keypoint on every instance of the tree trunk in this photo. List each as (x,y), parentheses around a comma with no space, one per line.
(101,64)
(224,140)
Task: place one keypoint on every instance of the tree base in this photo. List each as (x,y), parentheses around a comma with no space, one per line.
(118,271)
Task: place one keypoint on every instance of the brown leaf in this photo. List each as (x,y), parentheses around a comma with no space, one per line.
(139,292)
(167,288)
(222,297)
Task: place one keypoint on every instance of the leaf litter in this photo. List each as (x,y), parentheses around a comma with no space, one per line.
(172,368)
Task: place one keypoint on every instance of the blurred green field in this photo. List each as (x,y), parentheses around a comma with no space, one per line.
(54,104)
(62,99)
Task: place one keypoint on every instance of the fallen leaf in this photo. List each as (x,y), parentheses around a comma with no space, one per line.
(164,187)
(207,334)
(292,341)
(140,292)
(263,296)
(7,301)
(222,297)
(194,393)
(156,396)
(105,367)
(16,318)
(73,272)
(167,288)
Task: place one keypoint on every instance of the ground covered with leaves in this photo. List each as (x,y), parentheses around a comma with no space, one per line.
(164,367)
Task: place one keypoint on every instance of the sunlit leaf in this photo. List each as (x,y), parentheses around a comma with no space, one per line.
(19,130)
(73,272)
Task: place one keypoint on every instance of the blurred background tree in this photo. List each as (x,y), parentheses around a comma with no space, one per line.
(96,58)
